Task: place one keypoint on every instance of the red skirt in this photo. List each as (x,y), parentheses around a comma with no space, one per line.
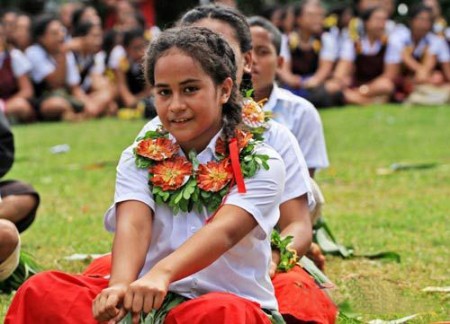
(300,300)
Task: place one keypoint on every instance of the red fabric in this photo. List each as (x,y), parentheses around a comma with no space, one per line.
(217,308)
(301,300)
(55,297)
(99,267)
(237,172)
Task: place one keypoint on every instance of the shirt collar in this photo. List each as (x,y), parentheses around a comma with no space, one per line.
(208,153)
(272,102)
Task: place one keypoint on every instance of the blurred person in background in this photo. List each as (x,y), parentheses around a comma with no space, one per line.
(55,74)
(22,32)
(86,44)
(16,89)
(369,65)
(8,19)
(313,53)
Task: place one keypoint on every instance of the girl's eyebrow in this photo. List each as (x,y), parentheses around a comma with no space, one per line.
(160,85)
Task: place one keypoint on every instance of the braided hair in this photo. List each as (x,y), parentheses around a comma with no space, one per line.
(236,20)
(213,54)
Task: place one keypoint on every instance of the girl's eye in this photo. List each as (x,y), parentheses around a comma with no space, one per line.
(190,89)
(163,92)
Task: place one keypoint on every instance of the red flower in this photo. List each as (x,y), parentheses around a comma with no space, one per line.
(214,176)
(171,174)
(252,113)
(242,140)
(157,149)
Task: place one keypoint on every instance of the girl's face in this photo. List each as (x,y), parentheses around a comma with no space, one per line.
(136,49)
(2,39)
(421,24)
(187,101)
(22,35)
(243,60)
(94,39)
(53,37)
(375,25)
(311,18)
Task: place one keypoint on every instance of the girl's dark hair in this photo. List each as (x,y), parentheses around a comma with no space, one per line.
(83,28)
(273,31)
(40,24)
(131,35)
(417,9)
(77,14)
(213,54)
(366,14)
(231,16)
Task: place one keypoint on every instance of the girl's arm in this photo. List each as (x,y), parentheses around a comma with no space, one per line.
(57,79)
(323,72)
(296,222)
(130,246)
(228,227)
(25,87)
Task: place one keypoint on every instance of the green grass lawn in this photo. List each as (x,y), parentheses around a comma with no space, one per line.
(406,211)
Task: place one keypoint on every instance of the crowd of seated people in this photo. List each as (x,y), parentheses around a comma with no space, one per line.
(361,55)
(76,65)
(69,66)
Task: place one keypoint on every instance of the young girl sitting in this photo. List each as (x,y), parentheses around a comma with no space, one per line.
(178,236)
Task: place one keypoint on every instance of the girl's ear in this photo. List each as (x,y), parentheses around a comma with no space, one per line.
(225,90)
(248,61)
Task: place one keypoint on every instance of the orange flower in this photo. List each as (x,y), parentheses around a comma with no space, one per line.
(242,138)
(157,149)
(252,113)
(171,174)
(214,176)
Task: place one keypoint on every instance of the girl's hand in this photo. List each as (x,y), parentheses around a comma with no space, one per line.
(146,294)
(106,306)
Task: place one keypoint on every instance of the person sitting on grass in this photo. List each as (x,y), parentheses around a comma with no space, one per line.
(16,89)
(210,258)
(18,205)
(370,64)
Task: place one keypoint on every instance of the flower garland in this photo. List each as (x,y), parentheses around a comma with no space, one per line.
(185,184)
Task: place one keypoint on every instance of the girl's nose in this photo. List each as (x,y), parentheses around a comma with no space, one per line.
(177,103)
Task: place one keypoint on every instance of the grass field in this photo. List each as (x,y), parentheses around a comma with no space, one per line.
(405,211)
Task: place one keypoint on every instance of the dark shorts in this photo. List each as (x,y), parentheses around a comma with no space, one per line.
(13,187)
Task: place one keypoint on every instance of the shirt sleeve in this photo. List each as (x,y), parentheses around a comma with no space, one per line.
(99,63)
(72,74)
(41,63)
(328,51)
(20,63)
(347,51)
(116,56)
(439,47)
(263,194)
(393,53)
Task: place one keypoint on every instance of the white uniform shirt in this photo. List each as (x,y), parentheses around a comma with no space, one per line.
(116,56)
(244,269)
(430,42)
(393,54)
(303,120)
(19,62)
(43,65)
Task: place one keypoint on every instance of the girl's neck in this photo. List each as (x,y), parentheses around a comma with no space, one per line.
(263,93)
(372,38)
(305,36)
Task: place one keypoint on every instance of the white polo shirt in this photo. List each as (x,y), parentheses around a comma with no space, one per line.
(244,269)
(43,64)
(303,120)
(19,62)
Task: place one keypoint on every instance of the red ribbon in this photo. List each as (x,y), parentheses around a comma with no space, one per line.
(236,166)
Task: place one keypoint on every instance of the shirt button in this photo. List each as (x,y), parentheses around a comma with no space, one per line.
(195,281)
(193,229)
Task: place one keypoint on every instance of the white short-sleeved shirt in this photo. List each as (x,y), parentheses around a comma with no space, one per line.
(98,67)
(19,62)
(280,138)
(393,54)
(116,56)
(302,119)
(441,49)
(242,270)
(429,42)
(43,65)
